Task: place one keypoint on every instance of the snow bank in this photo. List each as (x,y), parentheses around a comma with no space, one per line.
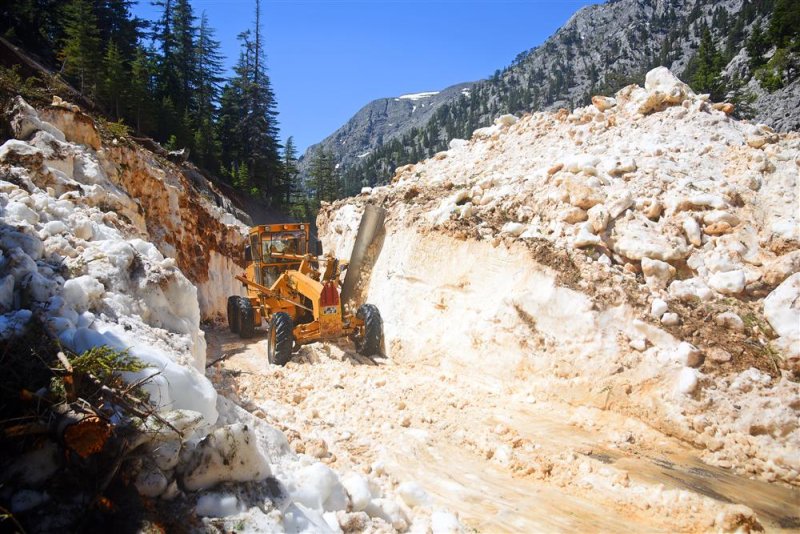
(579,249)
(70,258)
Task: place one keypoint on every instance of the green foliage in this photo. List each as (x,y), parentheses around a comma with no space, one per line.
(12,84)
(771,75)
(114,82)
(785,23)
(705,68)
(81,46)
(117,129)
(248,125)
(325,180)
(172,143)
(104,364)
(757,46)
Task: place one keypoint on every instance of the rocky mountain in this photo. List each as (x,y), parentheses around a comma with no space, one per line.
(379,122)
(605,47)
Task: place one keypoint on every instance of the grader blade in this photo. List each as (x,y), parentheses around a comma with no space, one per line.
(365,250)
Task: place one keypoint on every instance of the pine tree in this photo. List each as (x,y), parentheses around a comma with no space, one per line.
(290,170)
(324,176)
(207,92)
(141,90)
(114,79)
(184,53)
(757,45)
(175,33)
(115,23)
(81,45)
(785,23)
(248,118)
(707,66)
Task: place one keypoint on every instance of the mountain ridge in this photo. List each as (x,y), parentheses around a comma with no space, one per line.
(599,50)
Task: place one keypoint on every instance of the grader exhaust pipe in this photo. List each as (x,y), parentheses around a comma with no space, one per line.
(365,250)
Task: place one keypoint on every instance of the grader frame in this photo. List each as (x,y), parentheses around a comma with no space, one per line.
(301,303)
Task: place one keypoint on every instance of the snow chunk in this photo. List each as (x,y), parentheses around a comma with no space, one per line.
(688,355)
(730,321)
(658,308)
(358,489)
(444,523)
(81,292)
(14,323)
(663,89)
(636,240)
(217,505)
(230,453)
(413,494)
(513,228)
(687,381)
(692,288)
(782,308)
(728,283)
(317,487)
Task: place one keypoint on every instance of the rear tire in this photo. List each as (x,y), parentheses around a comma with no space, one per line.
(370,343)
(246,319)
(281,339)
(233,313)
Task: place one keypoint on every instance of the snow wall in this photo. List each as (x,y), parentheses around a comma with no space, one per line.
(636,255)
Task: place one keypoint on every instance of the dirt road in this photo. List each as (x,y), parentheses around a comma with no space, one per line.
(500,459)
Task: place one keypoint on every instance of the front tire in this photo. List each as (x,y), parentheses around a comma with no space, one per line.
(233,313)
(246,319)
(281,338)
(370,343)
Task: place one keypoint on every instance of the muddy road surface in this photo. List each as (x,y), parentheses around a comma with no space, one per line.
(499,458)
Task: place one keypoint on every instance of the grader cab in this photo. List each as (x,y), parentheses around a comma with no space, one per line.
(298,296)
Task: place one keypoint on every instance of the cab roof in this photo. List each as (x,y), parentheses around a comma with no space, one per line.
(282,227)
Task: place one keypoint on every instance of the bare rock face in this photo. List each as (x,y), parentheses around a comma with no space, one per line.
(77,126)
(379,122)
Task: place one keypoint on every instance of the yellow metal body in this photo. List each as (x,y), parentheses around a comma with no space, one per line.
(281,276)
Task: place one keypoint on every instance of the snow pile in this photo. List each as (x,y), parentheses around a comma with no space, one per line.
(70,257)
(620,255)
(169,206)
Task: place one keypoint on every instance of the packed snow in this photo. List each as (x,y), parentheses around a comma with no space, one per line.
(418,96)
(664,236)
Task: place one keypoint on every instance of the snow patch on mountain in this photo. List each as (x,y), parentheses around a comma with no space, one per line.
(418,96)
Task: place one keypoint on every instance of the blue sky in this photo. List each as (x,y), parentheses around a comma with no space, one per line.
(328,58)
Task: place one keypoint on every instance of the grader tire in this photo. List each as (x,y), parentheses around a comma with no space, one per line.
(281,339)
(370,343)
(246,319)
(233,314)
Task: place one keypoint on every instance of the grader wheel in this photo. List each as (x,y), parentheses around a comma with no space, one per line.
(246,318)
(370,343)
(233,314)
(281,339)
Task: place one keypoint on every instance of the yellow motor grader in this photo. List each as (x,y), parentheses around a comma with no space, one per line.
(300,302)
